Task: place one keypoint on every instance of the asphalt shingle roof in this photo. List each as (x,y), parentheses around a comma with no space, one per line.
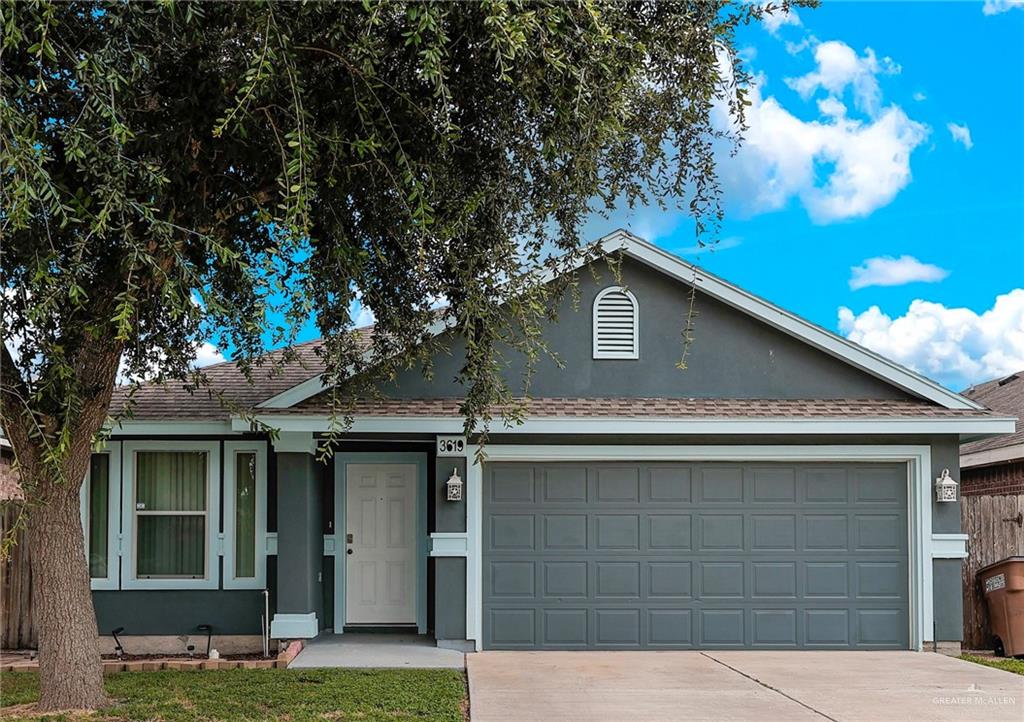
(564,407)
(172,401)
(1003,395)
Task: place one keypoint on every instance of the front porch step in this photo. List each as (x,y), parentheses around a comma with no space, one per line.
(379,628)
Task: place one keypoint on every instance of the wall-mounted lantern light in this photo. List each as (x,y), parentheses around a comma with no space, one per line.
(454,486)
(945,487)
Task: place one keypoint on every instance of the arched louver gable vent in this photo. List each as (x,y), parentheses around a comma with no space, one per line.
(616,324)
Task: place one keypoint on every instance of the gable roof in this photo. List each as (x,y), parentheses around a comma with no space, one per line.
(626,243)
(1004,395)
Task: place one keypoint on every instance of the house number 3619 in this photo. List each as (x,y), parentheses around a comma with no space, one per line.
(451,445)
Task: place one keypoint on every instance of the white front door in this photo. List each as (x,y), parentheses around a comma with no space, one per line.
(380,548)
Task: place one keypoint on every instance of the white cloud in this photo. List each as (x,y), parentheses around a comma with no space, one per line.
(777,18)
(920,97)
(961,134)
(207,354)
(839,66)
(995,7)
(954,345)
(889,271)
(362,316)
(838,167)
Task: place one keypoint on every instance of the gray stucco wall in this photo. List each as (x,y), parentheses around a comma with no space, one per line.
(178,612)
(449,516)
(450,598)
(299,535)
(947,590)
(947,578)
(732,355)
(449,587)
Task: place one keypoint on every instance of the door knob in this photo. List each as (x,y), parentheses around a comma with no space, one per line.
(348,551)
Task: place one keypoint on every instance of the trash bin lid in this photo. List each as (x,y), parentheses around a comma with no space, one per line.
(1019,559)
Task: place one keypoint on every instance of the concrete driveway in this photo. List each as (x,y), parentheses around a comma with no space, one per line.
(597,686)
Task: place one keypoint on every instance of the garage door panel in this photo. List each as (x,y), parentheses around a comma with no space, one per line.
(513,579)
(668,580)
(564,532)
(721,484)
(772,533)
(512,485)
(879,627)
(565,628)
(720,532)
(617,485)
(775,485)
(773,580)
(722,627)
(874,486)
(512,532)
(721,580)
(827,627)
(670,628)
(561,485)
(804,555)
(669,532)
(774,627)
(565,579)
(827,579)
(668,485)
(616,532)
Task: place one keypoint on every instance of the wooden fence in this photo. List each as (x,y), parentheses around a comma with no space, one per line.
(990,538)
(16,628)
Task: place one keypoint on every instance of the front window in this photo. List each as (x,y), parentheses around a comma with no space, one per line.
(99,505)
(171,514)
(245,515)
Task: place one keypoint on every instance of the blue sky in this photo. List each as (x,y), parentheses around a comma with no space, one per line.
(880,191)
(851,157)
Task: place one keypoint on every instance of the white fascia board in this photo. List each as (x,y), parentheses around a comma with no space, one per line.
(1013,452)
(170,427)
(635,426)
(812,334)
(292,396)
(315,385)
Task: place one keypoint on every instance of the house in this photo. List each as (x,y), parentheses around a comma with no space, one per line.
(996,465)
(992,512)
(776,494)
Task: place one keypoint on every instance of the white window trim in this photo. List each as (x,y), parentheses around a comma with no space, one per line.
(113,450)
(919,502)
(212,578)
(231,449)
(635,354)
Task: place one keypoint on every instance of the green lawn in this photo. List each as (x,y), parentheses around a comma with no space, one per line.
(1006,663)
(271,694)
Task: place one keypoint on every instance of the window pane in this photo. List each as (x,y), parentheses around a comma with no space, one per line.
(99,501)
(171,546)
(245,515)
(170,481)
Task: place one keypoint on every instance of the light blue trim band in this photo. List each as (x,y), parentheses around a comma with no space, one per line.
(294,626)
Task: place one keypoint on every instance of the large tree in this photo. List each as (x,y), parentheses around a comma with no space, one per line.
(176,173)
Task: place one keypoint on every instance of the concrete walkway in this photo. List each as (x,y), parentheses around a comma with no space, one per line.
(614,686)
(377,650)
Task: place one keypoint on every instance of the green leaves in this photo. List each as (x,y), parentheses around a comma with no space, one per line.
(183,172)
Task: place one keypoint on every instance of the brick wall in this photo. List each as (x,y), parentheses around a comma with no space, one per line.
(997,479)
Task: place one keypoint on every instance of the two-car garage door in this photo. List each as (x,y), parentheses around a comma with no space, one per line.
(662,555)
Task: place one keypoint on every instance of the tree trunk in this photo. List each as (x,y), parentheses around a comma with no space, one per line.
(70,669)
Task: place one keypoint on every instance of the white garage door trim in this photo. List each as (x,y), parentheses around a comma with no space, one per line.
(917,458)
